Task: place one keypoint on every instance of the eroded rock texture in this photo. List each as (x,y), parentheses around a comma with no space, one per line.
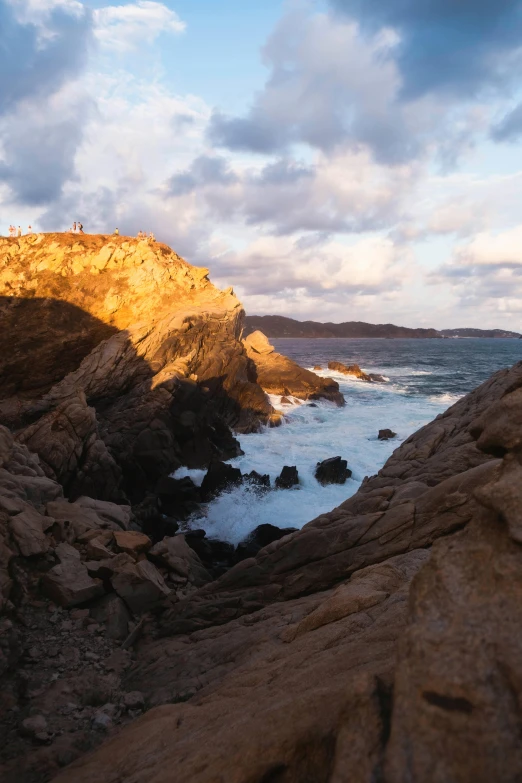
(119,362)
(379,643)
(278,374)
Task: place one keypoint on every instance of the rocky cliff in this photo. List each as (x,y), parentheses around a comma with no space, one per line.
(379,643)
(119,362)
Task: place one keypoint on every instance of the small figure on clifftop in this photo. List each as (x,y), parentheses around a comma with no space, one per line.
(12,231)
(116,232)
(29,229)
(80,228)
(19,232)
(152,238)
(74,227)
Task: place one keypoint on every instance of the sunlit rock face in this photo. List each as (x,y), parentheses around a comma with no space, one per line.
(117,351)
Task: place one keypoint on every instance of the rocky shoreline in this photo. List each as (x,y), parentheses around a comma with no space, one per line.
(378,643)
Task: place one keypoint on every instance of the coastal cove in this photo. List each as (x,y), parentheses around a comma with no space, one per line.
(425,378)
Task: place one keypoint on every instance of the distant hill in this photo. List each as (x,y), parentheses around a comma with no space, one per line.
(478,333)
(279,326)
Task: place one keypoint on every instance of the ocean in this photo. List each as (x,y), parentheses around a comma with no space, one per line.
(425,377)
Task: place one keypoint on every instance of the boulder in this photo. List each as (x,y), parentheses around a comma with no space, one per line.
(261,536)
(350,369)
(280,375)
(113,613)
(332,471)
(140,585)
(317,368)
(259,480)
(131,541)
(178,497)
(27,529)
(219,477)
(289,477)
(175,554)
(386,434)
(68,583)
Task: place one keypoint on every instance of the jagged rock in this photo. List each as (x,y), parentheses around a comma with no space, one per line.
(218,478)
(68,583)
(96,549)
(132,542)
(332,471)
(260,537)
(27,529)
(386,434)
(178,497)
(279,375)
(71,451)
(317,367)
(288,478)
(215,555)
(351,369)
(140,585)
(285,401)
(79,518)
(112,612)
(180,558)
(257,479)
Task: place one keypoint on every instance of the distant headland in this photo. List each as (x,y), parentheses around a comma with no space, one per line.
(280,326)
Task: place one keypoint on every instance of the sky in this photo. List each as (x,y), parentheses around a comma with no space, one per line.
(333,160)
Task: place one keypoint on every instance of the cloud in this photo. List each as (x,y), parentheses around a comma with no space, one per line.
(337,193)
(204,170)
(485,274)
(39,145)
(326,85)
(44,45)
(125,27)
(510,127)
(326,269)
(333,87)
(453,46)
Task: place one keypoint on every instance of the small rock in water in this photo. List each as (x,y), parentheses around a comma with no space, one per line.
(289,477)
(285,401)
(257,479)
(219,477)
(386,434)
(317,367)
(332,471)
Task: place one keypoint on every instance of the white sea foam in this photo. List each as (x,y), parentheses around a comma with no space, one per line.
(309,435)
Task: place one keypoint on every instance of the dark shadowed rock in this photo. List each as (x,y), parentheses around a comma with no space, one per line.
(178,497)
(113,613)
(332,471)
(386,434)
(261,536)
(289,477)
(69,583)
(257,479)
(218,478)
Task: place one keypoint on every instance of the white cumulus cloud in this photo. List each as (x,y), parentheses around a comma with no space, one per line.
(123,27)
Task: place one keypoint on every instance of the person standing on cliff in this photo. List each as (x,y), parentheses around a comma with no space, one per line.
(19,232)
(80,228)
(116,232)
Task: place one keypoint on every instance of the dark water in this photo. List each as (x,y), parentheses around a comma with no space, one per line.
(421,367)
